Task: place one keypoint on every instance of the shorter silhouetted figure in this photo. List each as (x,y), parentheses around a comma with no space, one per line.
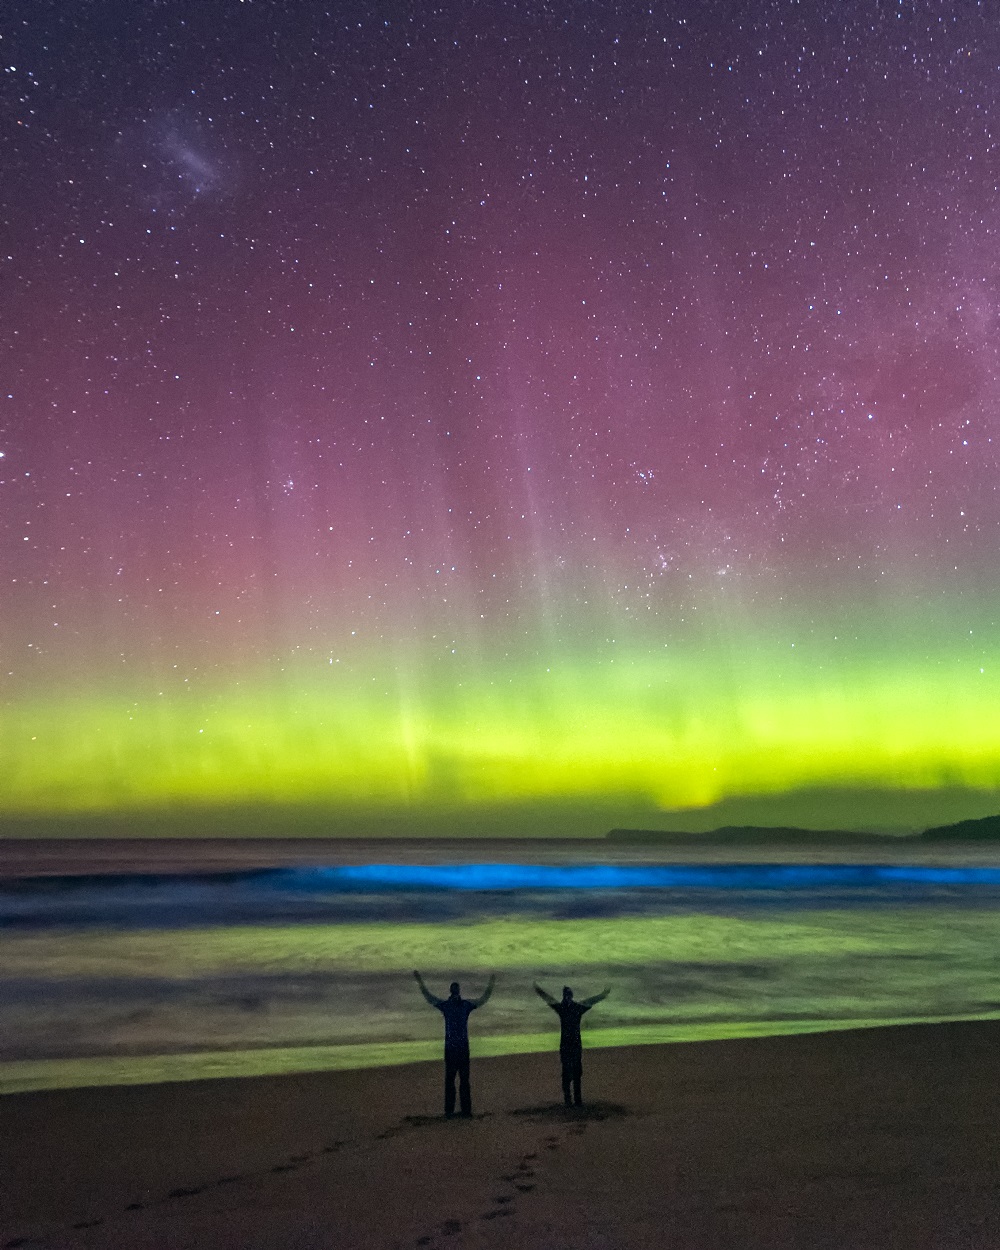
(456,1011)
(570,1043)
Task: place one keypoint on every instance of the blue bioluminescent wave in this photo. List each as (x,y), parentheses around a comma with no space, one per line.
(385,893)
(612,877)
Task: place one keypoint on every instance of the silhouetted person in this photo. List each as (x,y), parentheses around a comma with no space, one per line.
(570,1043)
(456,1011)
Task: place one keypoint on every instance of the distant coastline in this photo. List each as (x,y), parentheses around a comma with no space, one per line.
(758,835)
(986,829)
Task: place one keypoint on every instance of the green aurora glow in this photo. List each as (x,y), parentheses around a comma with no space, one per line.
(633,731)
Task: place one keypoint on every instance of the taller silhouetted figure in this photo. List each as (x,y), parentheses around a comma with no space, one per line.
(570,1043)
(456,1011)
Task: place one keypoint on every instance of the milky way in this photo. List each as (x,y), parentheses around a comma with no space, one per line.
(417,408)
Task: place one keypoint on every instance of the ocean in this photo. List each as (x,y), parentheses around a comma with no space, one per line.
(129,976)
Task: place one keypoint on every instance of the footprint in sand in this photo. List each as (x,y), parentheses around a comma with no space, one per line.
(186,1193)
(87,1224)
(451,1227)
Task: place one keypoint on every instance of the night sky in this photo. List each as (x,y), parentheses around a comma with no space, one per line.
(427,407)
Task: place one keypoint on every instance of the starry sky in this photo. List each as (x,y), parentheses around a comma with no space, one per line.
(432,408)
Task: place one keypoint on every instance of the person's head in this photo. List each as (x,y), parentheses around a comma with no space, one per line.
(567,994)
(455,990)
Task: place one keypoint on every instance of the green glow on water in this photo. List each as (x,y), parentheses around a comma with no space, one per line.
(512,944)
(290,998)
(25,1076)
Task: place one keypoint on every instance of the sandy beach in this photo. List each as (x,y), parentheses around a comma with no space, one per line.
(870,1138)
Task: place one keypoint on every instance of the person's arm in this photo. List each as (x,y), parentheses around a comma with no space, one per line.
(434,1002)
(542,994)
(595,999)
(478,1002)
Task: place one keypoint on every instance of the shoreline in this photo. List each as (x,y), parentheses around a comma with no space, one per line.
(26,1076)
(881,1137)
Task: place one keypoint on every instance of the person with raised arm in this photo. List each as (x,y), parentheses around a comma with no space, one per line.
(456,1011)
(570,1013)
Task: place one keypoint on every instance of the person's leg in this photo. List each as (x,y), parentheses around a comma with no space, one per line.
(574,1073)
(464,1088)
(567,1076)
(450,1072)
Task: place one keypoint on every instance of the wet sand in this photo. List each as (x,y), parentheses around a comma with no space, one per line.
(875,1138)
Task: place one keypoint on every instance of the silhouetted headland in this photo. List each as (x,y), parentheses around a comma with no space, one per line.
(986,829)
(757,835)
